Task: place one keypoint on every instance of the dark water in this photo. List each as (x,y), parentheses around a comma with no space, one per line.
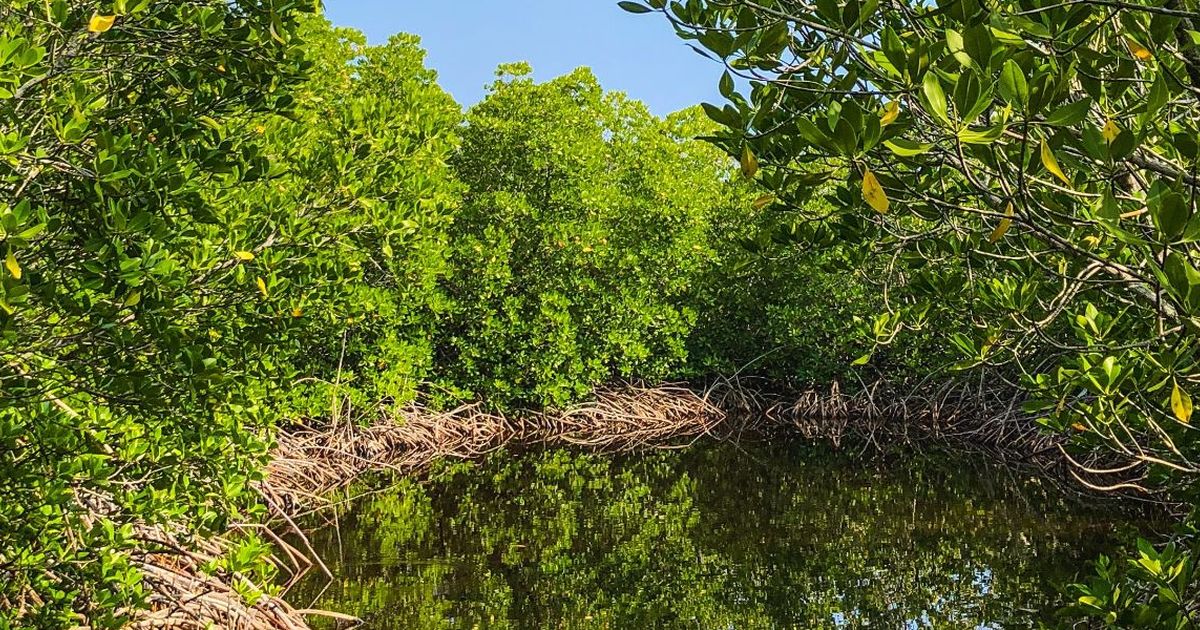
(714,537)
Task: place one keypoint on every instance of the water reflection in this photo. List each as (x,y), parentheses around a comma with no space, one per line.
(714,537)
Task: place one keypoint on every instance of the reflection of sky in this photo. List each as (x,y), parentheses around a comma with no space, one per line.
(981,582)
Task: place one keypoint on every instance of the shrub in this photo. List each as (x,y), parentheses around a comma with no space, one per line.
(360,207)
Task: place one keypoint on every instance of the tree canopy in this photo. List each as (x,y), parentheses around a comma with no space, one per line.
(1031,163)
(126,323)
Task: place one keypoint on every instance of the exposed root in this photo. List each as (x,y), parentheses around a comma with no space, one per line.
(185,596)
(311,463)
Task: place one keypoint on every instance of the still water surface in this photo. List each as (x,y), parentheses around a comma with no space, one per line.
(719,536)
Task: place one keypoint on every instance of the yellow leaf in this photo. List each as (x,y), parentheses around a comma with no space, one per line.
(13,266)
(749,163)
(874,193)
(1110,131)
(262,287)
(1051,163)
(1139,51)
(890,113)
(100,23)
(244,256)
(1181,404)
(1079,427)
(763,201)
(1003,228)
(297,312)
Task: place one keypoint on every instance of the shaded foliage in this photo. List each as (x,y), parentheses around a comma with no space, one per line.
(1030,165)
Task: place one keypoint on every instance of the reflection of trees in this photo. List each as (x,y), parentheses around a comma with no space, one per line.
(712,538)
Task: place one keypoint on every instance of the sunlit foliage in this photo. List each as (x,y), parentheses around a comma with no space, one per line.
(127,332)
(581,241)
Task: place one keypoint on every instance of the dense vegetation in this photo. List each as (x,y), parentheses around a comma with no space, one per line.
(130,334)
(221,217)
(1029,163)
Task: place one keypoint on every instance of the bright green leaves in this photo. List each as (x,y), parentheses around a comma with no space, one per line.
(954,42)
(1013,86)
(1070,114)
(1146,591)
(115,227)
(934,98)
(904,147)
(980,136)
(586,240)
(1083,119)
(20,61)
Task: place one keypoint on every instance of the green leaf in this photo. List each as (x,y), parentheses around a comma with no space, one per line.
(1170,214)
(904,147)
(954,43)
(1071,113)
(726,86)
(721,116)
(1013,87)
(811,133)
(981,136)
(634,7)
(1182,277)
(935,97)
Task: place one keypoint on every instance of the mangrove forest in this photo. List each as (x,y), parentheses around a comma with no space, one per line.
(901,330)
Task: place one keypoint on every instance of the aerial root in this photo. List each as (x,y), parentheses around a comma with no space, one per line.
(313,462)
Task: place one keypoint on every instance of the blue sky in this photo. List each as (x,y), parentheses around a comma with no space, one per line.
(466,39)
